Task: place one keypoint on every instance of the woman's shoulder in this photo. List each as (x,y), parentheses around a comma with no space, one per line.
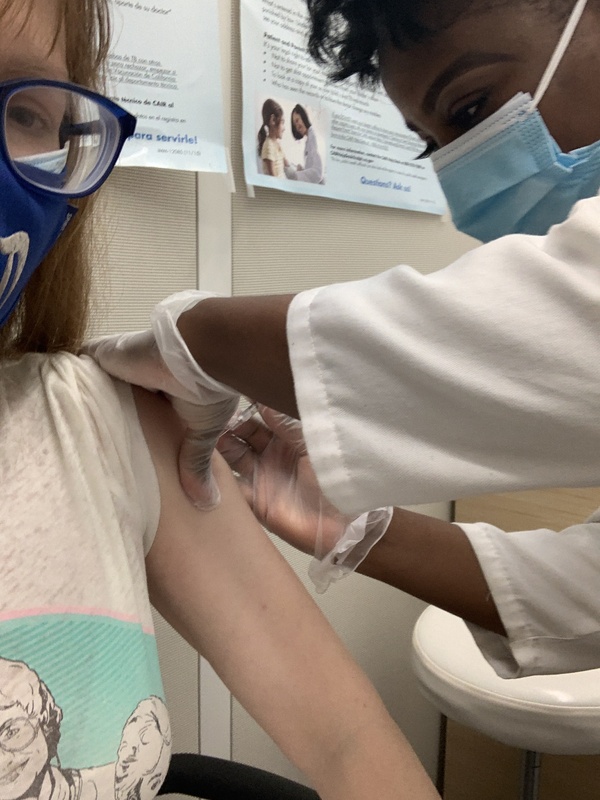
(71,404)
(65,392)
(54,368)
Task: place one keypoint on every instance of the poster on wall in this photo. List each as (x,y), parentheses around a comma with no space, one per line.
(165,67)
(304,134)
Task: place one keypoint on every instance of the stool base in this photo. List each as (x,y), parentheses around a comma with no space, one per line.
(530,775)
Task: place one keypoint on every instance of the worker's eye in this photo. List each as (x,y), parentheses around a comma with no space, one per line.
(469,114)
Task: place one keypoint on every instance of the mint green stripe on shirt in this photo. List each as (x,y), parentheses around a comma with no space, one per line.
(95,668)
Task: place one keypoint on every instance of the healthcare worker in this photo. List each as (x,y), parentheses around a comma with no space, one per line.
(480,377)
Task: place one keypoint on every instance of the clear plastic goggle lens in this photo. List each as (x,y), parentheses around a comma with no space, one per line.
(59,139)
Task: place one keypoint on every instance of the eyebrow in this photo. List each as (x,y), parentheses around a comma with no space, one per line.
(33,68)
(462,64)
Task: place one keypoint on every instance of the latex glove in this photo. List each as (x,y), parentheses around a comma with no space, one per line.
(269,454)
(159,360)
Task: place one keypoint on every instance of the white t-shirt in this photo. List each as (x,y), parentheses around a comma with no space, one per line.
(272,151)
(482,377)
(78,656)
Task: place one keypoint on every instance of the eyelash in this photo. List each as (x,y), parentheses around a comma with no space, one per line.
(430,148)
(458,120)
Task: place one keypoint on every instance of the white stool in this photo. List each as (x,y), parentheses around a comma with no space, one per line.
(541,714)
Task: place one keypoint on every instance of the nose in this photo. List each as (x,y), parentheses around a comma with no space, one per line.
(130,753)
(6,762)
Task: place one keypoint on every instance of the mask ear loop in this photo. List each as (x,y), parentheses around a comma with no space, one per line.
(561,47)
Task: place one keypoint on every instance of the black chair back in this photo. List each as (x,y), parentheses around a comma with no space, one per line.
(217,779)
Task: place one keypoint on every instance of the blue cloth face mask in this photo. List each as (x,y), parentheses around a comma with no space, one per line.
(79,136)
(30,223)
(508,175)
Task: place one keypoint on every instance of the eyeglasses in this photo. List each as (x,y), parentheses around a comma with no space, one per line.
(17,734)
(59,137)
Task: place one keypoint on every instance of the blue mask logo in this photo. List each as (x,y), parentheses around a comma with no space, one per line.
(16,249)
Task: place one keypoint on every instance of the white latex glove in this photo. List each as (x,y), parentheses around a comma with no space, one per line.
(269,455)
(159,360)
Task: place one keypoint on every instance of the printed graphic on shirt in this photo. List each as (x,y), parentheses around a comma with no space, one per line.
(81,710)
(144,752)
(30,722)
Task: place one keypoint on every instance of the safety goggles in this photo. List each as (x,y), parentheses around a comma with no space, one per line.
(60,138)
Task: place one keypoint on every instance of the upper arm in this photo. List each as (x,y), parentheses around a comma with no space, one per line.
(219,580)
(199,558)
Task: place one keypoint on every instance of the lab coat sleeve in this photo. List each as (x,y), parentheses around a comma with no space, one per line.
(313,163)
(481,377)
(544,585)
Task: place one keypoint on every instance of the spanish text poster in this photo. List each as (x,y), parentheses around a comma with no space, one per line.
(165,68)
(303,133)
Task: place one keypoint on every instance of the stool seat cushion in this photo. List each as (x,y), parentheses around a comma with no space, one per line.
(545,713)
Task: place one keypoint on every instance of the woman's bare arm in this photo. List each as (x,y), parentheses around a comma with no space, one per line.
(217,578)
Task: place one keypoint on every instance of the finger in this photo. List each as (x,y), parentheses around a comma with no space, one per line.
(240,457)
(204,492)
(247,491)
(201,488)
(255,433)
(231,447)
(284,427)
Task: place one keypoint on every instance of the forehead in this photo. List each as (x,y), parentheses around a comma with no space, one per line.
(33,42)
(8,712)
(504,32)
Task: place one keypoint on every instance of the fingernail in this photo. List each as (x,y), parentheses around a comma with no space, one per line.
(209,499)
(203,495)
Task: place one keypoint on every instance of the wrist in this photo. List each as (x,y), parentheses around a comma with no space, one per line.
(377,761)
(352,548)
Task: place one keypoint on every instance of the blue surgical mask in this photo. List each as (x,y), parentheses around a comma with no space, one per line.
(53,163)
(508,175)
(30,223)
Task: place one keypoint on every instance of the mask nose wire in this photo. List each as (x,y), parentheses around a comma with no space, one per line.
(561,47)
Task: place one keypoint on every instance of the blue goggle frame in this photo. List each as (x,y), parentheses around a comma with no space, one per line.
(126,127)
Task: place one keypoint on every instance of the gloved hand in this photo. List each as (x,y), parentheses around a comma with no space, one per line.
(159,360)
(269,454)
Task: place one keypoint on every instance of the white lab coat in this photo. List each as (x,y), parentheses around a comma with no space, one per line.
(312,171)
(482,377)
